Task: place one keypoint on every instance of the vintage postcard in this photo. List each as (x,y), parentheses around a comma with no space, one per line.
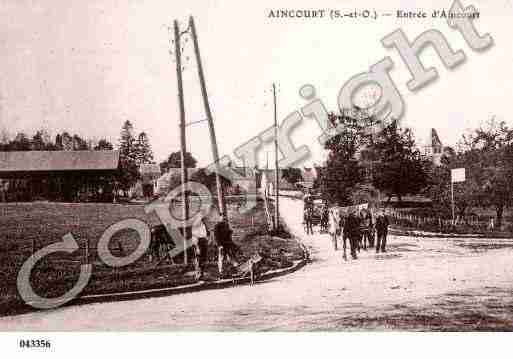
(246,166)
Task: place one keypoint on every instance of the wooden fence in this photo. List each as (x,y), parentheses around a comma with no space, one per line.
(441,224)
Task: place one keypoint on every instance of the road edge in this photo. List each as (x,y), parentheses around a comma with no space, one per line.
(196,287)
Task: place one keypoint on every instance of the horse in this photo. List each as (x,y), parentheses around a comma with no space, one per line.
(161,244)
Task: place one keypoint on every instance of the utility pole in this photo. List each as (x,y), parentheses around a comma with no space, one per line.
(276,170)
(183,147)
(452,199)
(215,152)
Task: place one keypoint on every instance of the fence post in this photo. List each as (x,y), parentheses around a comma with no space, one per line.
(87,251)
(33,249)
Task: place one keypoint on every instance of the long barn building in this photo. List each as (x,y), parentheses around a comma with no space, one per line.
(58,175)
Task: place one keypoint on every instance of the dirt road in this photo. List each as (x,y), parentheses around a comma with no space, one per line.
(420,284)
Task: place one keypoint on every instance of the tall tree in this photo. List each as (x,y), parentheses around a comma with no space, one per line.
(58,142)
(343,172)
(4,140)
(79,144)
(466,195)
(498,186)
(38,143)
(175,161)
(339,178)
(209,180)
(144,154)
(21,142)
(127,148)
(129,171)
(400,169)
(491,148)
(103,145)
(486,154)
(67,141)
(292,175)
(4,136)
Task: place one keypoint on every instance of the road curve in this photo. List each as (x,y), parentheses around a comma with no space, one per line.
(317,297)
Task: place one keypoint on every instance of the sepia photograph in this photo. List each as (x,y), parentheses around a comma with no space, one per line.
(207,170)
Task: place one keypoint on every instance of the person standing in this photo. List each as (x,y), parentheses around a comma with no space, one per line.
(200,234)
(382,232)
(227,249)
(343,228)
(307,199)
(357,230)
(352,229)
(307,212)
(307,217)
(366,229)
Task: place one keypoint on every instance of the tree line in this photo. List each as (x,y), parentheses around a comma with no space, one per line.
(486,153)
(134,150)
(368,158)
(42,141)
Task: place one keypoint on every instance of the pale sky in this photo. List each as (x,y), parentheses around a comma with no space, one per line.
(85,67)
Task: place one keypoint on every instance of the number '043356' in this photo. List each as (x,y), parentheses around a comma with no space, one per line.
(35,343)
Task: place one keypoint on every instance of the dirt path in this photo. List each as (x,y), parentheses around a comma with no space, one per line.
(420,284)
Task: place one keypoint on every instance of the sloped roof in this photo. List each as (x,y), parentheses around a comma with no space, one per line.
(171,172)
(245,171)
(149,168)
(48,161)
(175,173)
(270,176)
(164,181)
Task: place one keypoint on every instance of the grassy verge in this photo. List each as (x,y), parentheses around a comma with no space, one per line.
(40,224)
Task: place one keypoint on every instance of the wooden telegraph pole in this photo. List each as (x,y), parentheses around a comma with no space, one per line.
(276,170)
(215,152)
(452,199)
(182,137)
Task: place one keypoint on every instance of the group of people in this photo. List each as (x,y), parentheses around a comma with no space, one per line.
(202,238)
(361,230)
(359,227)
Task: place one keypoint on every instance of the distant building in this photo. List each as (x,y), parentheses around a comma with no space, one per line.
(246,182)
(171,179)
(266,182)
(309,175)
(434,148)
(58,175)
(150,173)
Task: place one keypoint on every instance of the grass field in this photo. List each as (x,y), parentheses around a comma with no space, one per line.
(40,224)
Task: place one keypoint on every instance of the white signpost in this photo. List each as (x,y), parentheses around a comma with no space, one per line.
(457,175)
